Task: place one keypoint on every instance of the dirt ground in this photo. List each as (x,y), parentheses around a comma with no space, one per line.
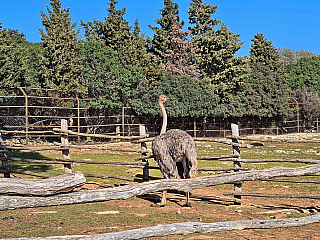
(141,212)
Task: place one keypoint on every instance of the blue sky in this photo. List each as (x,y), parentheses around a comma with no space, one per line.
(288,24)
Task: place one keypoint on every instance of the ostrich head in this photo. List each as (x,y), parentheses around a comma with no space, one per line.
(163,98)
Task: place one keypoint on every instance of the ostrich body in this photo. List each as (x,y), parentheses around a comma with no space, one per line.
(174,151)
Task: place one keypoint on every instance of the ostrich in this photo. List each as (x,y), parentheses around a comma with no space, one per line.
(174,151)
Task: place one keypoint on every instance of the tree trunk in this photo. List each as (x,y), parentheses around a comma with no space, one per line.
(41,187)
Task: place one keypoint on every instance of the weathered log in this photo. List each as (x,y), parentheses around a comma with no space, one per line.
(201,139)
(31,149)
(103,176)
(41,187)
(88,161)
(104,148)
(100,135)
(63,161)
(219,157)
(24,132)
(291,160)
(185,228)
(272,195)
(125,192)
(223,169)
(275,140)
(218,140)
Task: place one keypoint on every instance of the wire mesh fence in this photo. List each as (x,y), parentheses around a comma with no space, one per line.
(35,112)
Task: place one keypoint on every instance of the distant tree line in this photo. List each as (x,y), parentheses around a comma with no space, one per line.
(117,65)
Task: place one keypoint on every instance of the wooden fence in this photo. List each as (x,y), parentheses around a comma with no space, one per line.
(142,162)
(33,197)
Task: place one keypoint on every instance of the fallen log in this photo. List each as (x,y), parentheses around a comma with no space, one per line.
(41,187)
(125,192)
(185,228)
(271,195)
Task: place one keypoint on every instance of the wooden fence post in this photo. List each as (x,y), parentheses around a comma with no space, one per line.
(65,142)
(236,150)
(78,116)
(142,131)
(5,163)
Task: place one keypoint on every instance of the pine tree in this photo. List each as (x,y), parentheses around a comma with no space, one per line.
(266,80)
(263,52)
(169,14)
(62,63)
(114,32)
(141,57)
(215,47)
(178,58)
(12,58)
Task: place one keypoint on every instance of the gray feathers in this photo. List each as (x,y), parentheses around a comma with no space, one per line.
(173,147)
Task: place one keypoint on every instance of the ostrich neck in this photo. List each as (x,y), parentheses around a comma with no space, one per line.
(164,122)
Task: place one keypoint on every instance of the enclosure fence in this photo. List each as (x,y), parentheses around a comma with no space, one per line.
(31,114)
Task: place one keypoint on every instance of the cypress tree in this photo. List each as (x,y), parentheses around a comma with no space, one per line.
(62,62)
(263,52)
(266,80)
(215,47)
(169,14)
(114,32)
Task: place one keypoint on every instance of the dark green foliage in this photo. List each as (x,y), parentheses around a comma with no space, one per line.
(306,73)
(114,32)
(12,58)
(263,52)
(111,83)
(169,14)
(215,47)
(189,98)
(62,62)
(264,91)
